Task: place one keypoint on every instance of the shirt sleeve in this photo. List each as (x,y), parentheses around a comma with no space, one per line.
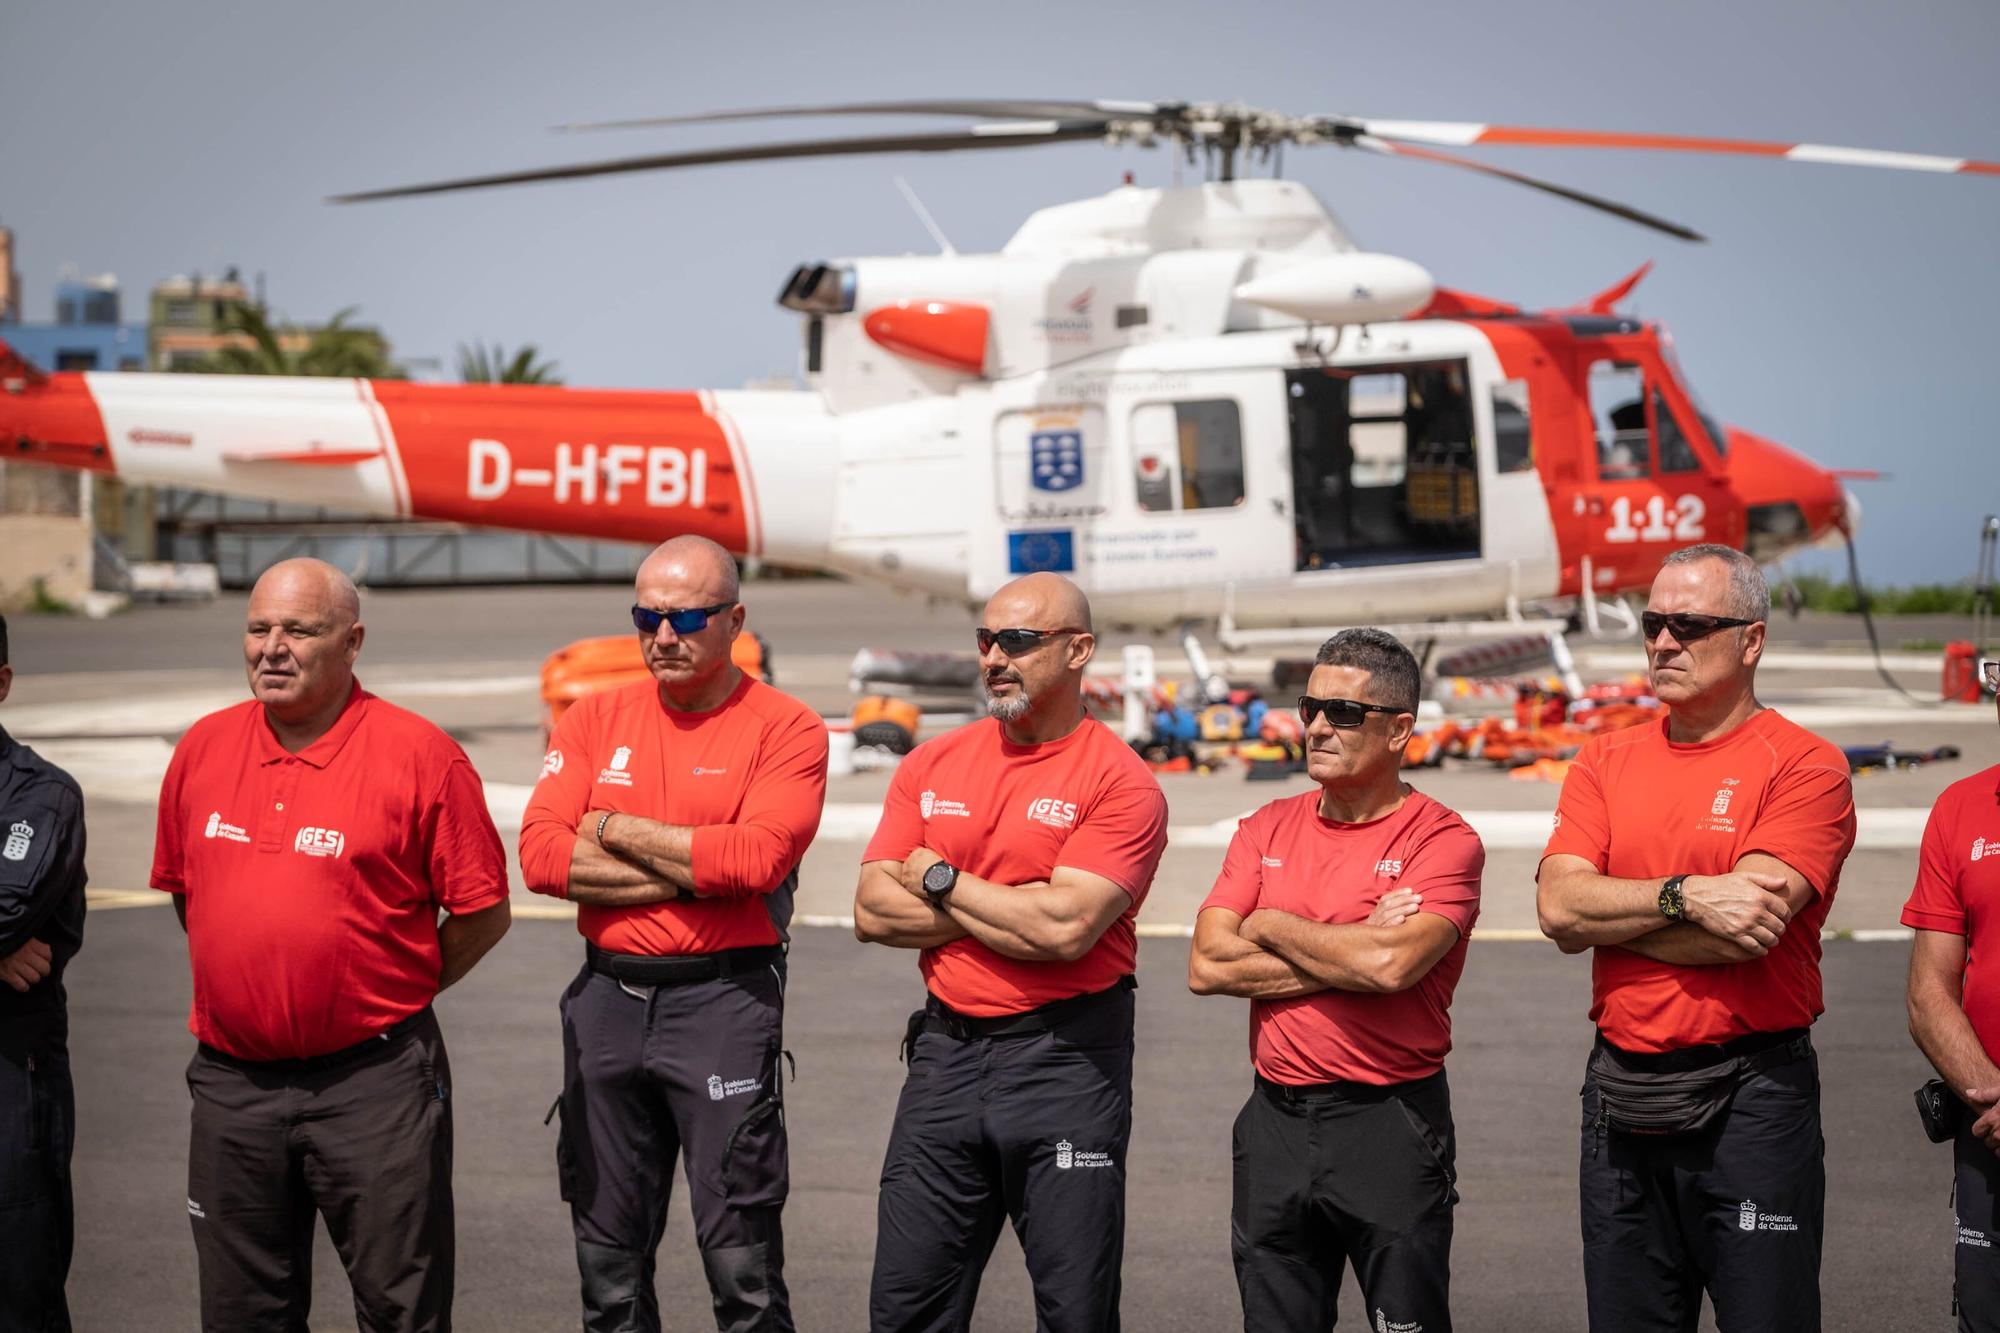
(37,865)
(901,829)
(170,829)
(1446,868)
(1807,821)
(1583,821)
(1936,902)
(468,864)
(1239,885)
(556,806)
(776,822)
(1121,838)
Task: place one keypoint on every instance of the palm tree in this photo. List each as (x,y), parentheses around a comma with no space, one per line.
(477,366)
(337,348)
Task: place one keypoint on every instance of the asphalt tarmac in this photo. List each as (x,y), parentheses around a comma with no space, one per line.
(108,698)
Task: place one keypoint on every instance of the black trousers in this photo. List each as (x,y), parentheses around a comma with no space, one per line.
(1347,1173)
(1030,1128)
(364,1142)
(37,1131)
(1735,1210)
(1976,1200)
(652,1071)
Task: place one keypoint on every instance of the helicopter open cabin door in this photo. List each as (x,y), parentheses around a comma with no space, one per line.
(1658,486)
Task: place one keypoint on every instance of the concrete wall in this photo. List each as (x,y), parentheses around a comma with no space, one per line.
(44,535)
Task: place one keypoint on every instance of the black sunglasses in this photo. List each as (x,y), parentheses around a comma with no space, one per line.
(1686,625)
(1014,642)
(689,620)
(1343,713)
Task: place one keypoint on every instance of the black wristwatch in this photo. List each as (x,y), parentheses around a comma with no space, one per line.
(1673,905)
(939,881)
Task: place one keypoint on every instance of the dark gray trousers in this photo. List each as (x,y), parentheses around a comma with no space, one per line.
(1976,1202)
(37,1130)
(652,1071)
(364,1143)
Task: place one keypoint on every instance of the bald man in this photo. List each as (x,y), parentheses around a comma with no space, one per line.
(1013,854)
(674,813)
(334,866)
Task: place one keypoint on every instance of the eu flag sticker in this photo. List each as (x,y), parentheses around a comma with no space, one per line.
(1055,458)
(1041,550)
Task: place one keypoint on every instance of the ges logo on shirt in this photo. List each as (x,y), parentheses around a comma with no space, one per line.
(319,842)
(1055,813)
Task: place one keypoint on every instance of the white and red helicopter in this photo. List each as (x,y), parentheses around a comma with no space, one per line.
(1205,404)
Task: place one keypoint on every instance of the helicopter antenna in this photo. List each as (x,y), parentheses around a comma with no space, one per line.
(924,216)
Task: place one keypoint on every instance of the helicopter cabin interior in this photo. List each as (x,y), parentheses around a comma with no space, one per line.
(1384,469)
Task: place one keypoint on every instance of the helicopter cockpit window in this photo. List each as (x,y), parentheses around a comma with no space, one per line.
(1618,406)
(1676,454)
(1188,455)
(1513,439)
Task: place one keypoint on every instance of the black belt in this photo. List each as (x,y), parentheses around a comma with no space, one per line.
(941,1017)
(1349,1090)
(679,969)
(1690,1058)
(332,1059)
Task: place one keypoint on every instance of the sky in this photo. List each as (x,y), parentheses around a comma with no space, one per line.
(1845,313)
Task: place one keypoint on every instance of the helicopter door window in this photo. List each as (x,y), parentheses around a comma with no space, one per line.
(1618,406)
(1676,454)
(1188,455)
(1513,438)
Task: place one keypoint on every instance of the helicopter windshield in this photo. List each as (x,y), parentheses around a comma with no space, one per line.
(1709,424)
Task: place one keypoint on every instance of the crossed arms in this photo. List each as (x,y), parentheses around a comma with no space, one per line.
(1273,955)
(1729,918)
(1057,920)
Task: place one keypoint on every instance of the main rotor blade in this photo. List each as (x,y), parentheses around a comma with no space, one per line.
(1462,134)
(1019,134)
(1598,202)
(995,107)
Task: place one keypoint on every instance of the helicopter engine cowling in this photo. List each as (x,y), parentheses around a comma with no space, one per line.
(1350,288)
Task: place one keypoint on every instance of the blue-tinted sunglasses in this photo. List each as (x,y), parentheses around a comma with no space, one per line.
(689,620)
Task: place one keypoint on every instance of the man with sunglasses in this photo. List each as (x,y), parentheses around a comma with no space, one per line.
(1342,914)
(674,813)
(1014,853)
(1697,858)
(1954,1001)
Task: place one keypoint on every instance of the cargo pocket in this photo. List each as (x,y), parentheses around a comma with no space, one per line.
(1432,1146)
(565,1154)
(756,1161)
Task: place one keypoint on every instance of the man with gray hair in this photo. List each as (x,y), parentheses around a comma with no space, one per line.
(1697,858)
(1342,914)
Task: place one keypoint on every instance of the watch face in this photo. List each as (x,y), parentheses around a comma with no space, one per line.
(939,878)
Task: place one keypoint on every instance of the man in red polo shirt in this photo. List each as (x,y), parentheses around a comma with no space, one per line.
(1954,998)
(311,837)
(1014,853)
(1342,914)
(674,813)
(1698,859)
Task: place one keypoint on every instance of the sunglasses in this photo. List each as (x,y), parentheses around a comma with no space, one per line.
(1345,714)
(1687,626)
(1014,642)
(687,621)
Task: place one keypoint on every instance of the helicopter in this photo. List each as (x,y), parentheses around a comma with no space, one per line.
(1204,403)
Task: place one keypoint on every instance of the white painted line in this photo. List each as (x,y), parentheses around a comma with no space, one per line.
(112,900)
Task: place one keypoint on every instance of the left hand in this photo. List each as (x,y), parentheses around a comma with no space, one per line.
(1252,927)
(914,866)
(1987,1128)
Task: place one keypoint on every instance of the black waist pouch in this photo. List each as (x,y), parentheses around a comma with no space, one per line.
(1682,1092)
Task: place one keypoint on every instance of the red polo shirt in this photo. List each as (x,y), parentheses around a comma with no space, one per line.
(748,776)
(1012,814)
(1958,891)
(1286,857)
(313,880)
(1639,806)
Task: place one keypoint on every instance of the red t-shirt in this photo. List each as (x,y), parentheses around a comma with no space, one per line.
(1958,891)
(1638,806)
(1011,814)
(1287,858)
(369,831)
(748,776)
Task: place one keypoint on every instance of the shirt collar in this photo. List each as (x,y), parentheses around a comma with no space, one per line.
(322,751)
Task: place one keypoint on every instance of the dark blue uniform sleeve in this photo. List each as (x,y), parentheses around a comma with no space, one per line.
(41,857)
